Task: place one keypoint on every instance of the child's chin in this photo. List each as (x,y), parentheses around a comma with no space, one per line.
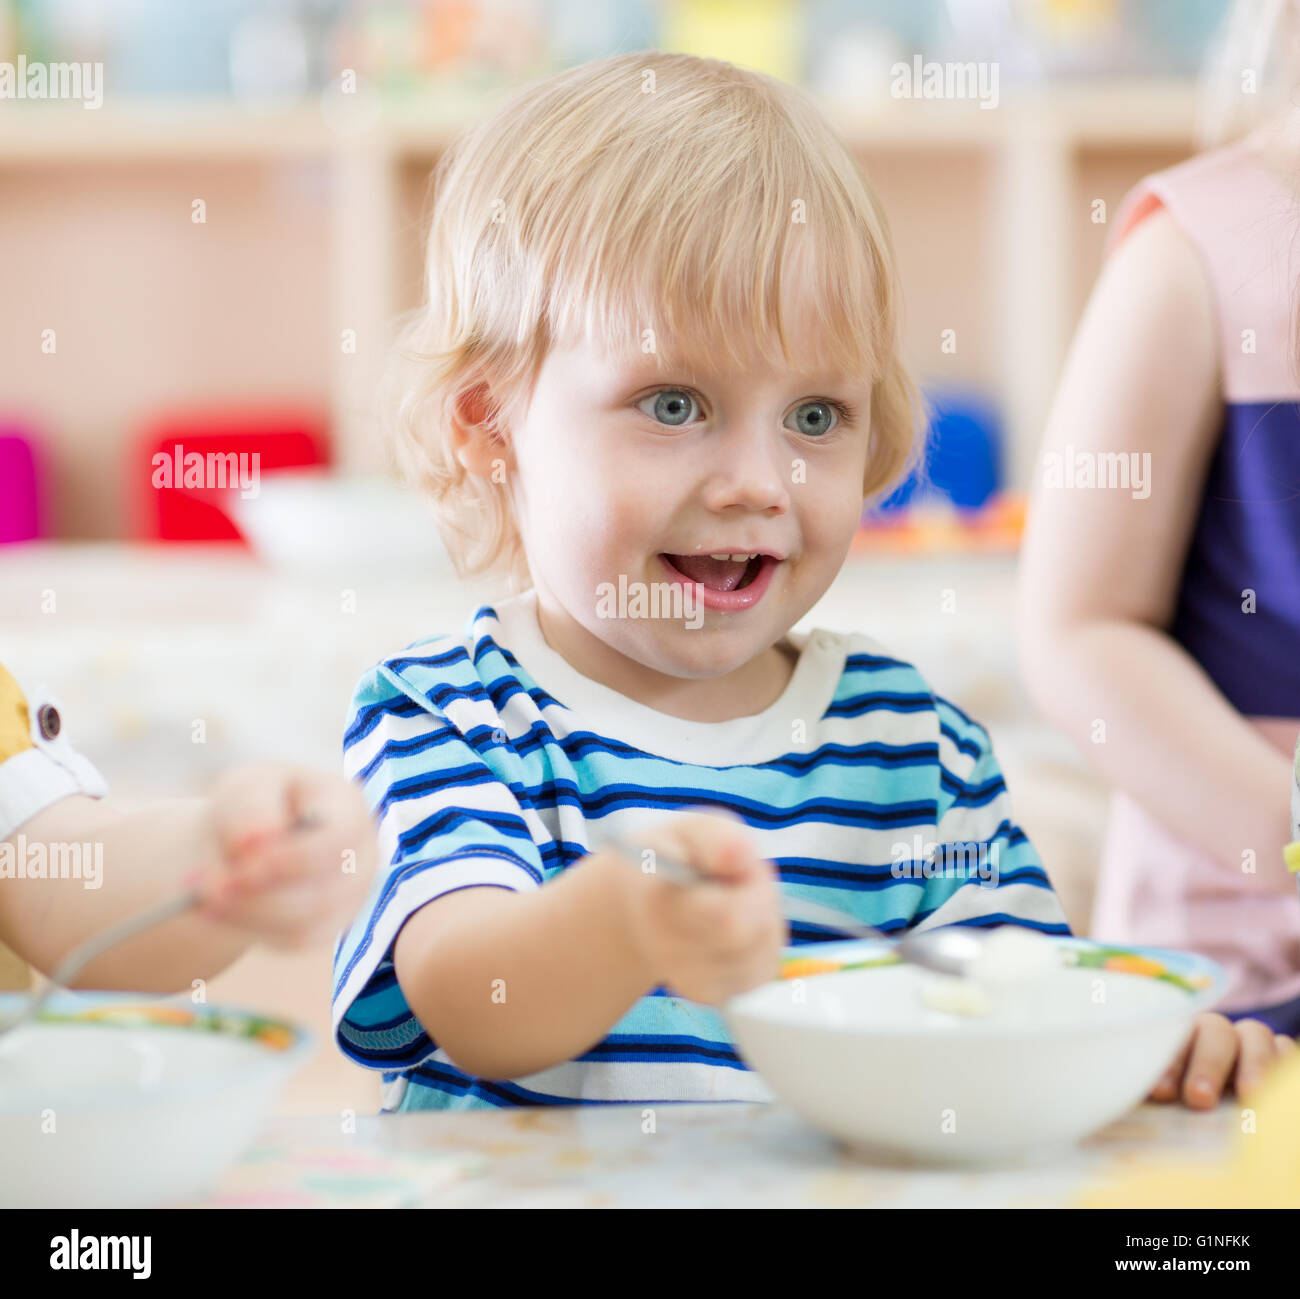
(700,656)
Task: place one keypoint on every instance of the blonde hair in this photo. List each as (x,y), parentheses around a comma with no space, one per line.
(1259,39)
(647,191)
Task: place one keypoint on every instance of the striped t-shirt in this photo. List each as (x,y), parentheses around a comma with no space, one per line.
(488,760)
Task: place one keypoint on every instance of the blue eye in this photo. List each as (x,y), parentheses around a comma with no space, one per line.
(814,418)
(672,406)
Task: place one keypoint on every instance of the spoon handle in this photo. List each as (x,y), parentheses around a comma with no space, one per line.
(814,913)
(811,913)
(80,957)
(83,954)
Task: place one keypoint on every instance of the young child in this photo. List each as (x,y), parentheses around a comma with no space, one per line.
(659,358)
(72,864)
(1173,614)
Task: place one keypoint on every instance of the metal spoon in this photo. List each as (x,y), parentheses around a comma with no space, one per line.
(84,953)
(948,950)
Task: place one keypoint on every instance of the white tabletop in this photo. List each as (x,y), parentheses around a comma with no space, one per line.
(723,1155)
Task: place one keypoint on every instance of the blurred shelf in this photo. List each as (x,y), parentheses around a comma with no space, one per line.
(1122,115)
(162,130)
(937,528)
(1134,114)
(1017,172)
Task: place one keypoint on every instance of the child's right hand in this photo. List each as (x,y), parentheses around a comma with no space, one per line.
(713,940)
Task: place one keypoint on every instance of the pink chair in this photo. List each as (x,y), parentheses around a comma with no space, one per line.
(20,509)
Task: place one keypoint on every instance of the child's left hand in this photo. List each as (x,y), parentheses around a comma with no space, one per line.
(1218,1050)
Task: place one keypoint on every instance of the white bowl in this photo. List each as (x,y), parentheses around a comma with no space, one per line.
(115,1115)
(858,1054)
(313,522)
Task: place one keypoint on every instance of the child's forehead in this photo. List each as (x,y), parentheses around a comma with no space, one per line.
(648,359)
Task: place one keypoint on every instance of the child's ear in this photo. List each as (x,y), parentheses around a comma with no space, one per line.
(476,434)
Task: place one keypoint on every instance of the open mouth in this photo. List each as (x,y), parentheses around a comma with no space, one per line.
(719,573)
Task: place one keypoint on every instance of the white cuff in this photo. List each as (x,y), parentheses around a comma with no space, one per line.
(33,779)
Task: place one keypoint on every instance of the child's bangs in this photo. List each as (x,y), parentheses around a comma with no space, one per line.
(734,276)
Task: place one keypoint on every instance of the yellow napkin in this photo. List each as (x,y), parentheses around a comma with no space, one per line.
(1263,1172)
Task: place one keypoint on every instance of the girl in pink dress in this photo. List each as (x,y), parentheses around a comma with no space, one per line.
(1160,621)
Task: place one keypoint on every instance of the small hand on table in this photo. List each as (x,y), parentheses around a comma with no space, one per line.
(1217,1051)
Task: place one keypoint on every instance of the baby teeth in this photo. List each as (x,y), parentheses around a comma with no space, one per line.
(735,558)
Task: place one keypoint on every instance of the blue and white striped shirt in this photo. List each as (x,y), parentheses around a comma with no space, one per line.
(488,760)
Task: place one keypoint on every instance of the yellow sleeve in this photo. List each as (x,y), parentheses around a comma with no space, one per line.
(15,722)
(15,735)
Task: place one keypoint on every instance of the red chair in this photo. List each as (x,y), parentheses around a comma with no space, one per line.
(189,465)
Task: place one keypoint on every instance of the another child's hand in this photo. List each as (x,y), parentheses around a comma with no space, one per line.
(287,886)
(709,941)
(1217,1051)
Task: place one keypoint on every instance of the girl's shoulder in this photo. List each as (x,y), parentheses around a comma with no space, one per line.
(1217,197)
(1217,235)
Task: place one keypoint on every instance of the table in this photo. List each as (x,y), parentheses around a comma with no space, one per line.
(731,1155)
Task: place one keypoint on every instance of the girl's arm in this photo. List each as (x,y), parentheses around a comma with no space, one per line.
(145,856)
(262,879)
(1100,569)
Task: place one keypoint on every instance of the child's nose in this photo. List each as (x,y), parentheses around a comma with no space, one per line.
(753,468)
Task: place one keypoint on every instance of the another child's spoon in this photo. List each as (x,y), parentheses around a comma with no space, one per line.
(83,954)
